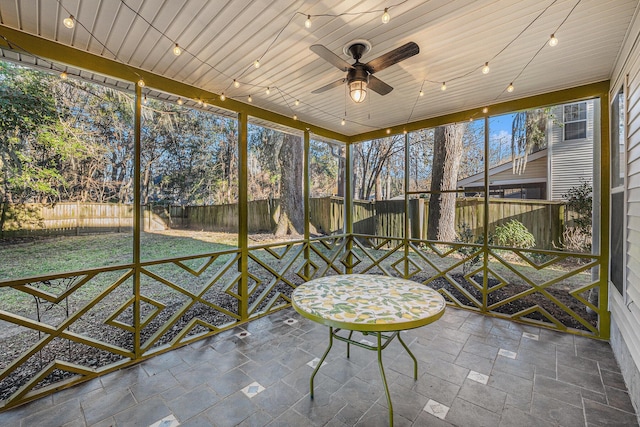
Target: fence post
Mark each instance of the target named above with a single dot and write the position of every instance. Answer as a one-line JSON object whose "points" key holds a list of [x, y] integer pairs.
{"points": [[561, 226], [77, 218]]}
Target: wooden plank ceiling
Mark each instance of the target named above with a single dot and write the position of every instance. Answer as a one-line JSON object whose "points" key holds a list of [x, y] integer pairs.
{"points": [[221, 39]]}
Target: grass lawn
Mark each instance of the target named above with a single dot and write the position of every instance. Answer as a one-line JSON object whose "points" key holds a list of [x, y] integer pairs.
{"points": [[73, 253]]}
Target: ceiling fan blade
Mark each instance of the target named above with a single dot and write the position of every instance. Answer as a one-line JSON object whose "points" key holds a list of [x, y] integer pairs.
{"points": [[329, 86], [378, 86], [330, 57], [393, 57]]}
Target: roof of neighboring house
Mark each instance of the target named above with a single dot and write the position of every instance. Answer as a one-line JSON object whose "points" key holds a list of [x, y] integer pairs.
{"points": [[536, 163]]}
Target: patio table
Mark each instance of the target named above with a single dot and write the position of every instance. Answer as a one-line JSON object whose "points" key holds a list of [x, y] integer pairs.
{"points": [[373, 305]]}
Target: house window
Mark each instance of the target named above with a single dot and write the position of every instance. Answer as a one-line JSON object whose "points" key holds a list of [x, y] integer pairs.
{"points": [[575, 121], [617, 262]]}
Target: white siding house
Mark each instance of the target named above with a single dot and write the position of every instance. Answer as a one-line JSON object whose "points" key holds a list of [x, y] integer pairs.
{"points": [[624, 299], [564, 164], [570, 152]]}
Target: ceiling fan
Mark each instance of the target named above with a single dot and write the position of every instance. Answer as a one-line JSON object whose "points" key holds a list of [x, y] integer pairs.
{"points": [[360, 76]]}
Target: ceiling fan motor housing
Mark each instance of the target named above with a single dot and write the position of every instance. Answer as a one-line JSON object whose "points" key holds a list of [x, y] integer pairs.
{"points": [[357, 74]]}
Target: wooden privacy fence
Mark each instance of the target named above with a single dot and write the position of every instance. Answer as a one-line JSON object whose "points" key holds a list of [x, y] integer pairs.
{"points": [[72, 218], [263, 216], [544, 219]]}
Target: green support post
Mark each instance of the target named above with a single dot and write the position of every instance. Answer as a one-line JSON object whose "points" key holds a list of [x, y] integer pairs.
{"points": [[137, 221], [348, 206], [485, 221], [407, 228], [604, 327], [243, 217], [306, 193]]}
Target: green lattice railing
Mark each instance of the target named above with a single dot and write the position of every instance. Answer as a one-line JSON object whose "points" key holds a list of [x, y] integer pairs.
{"points": [[72, 327]]}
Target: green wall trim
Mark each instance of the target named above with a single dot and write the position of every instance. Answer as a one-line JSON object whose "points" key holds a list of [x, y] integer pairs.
{"points": [[593, 90]]}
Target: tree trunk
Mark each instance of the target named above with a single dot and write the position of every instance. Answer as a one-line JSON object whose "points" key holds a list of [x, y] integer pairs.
{"points": [[291, 158], [378, 188], [342, 169], [447, 152]]}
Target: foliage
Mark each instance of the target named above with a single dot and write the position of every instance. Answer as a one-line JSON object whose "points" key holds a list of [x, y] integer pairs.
{"points": [[575, 240], [514, 234], [69, 140], [33, 143], [465, 235], [580, 203], [325, 162], [379, 168], [528, 135], [580, 200]]}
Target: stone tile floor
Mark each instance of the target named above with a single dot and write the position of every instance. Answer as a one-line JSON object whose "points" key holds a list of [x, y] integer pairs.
{"points": [[473, 371]]}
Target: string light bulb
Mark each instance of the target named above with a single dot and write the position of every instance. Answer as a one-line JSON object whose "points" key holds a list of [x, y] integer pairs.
{"points": [[268, 91], [236, 83], [385, 16], [343, 122], [250, 99], [510, 88], [295, 117], [485, 69], [222, 97], [63, 75], [69, 22], [388, 131], [421, 93], [443, 87], [485, 110], [200, 102], [141, 82], [553, 40], [145, 100], [296, 103], [307, 23], [256, 63], [404, 131], [177, 50], [180, 101]]}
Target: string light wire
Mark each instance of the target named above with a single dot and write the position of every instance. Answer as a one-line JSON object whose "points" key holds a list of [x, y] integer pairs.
{"points": [[470, 72], [539, 50], [308, 16], [98, 40]]}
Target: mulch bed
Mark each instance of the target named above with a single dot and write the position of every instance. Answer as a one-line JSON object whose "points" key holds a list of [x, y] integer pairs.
{"points": [[535, 298]]}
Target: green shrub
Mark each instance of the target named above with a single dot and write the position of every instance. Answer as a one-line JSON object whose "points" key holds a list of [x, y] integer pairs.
{"points": [[580, 205], [465, 235], [514, 234]]}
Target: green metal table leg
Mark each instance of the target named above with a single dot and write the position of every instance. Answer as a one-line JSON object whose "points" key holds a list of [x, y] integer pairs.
{"points": [[315, 371], [384, 379], [349, 343], [415, 361]]}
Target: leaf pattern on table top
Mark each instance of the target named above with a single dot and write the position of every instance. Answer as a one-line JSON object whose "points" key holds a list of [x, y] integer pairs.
{"points": [[367, 299]]}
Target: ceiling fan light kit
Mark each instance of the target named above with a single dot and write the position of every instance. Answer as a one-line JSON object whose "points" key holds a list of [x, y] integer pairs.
{"points": [[358, 79], [358, 90]]}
